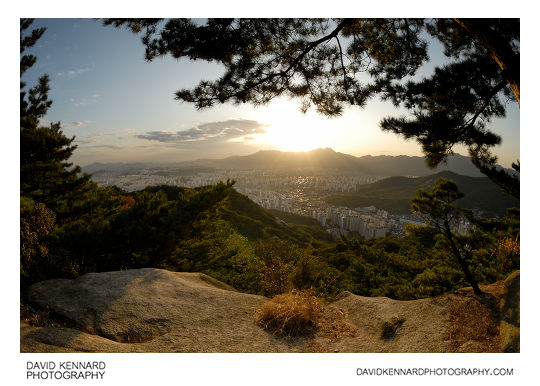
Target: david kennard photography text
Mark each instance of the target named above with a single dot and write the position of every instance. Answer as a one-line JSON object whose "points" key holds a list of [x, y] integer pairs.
{"points": [[65, 370]]}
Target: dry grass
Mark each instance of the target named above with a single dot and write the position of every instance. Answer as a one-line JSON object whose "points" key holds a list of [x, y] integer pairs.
{"points": [[300, 313], [291, 314], [474, 321]]}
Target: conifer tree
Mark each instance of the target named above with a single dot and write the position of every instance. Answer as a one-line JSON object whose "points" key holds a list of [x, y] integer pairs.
{"points": [[46, 175], [437, 203]]}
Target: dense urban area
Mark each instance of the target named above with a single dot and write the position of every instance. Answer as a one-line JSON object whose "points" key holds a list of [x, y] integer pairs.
{"points": [[284, 190]]}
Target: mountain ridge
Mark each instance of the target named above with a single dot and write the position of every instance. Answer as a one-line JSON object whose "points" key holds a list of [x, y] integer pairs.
{"points": [[317, 160], [394, 193]]}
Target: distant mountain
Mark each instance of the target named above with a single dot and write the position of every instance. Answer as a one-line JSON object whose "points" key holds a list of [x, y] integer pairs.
{"points": [[316, 161], [328, 159], [416, 166], [394, 194]]}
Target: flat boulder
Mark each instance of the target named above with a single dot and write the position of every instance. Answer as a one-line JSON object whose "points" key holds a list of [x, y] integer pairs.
{"points": [[149, 310]]}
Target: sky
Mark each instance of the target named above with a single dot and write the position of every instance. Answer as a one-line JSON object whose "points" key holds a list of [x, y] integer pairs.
{"points": [[121, 108]]}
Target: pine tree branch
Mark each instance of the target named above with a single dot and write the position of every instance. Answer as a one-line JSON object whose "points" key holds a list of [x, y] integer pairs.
{"points": [[494, 92], [345, 83], [499, 49], [282, 73]]}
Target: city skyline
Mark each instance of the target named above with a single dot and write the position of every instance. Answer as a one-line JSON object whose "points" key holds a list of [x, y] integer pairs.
{"points": [[122, 109]]}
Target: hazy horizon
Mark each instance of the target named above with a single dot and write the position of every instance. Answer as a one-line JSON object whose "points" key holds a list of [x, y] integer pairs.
{"points": [[257, 151]]}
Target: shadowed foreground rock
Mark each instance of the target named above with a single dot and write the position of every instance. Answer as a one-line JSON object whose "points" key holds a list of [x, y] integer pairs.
{"points": [[154, 310], [148, 310]]}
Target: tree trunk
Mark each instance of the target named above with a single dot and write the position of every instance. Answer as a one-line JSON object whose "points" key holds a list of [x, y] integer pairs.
{"points": [[464, 267], [499, 48]]}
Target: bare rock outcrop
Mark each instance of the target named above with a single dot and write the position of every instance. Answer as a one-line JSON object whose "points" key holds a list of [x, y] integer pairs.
{"points": [[423, 330], [154, 310], [149, 310]]}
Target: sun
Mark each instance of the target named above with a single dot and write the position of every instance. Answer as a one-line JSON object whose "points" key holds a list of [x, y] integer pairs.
{"points": [[290, 130], [298, 138]]}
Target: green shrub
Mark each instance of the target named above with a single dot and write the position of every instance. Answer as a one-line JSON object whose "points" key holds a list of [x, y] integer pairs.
{"points": [[388, 329], [37, 223]]}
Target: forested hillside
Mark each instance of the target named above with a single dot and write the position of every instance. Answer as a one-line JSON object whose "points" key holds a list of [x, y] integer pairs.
{"points": [[393, 194], [217, 231]]}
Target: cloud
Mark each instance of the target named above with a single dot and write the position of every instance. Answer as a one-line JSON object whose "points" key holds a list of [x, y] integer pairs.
{"points": [[64, 125], [115, 147], [77, 124], [84, 101], [72, 73], [89, 138], [211, 131]]}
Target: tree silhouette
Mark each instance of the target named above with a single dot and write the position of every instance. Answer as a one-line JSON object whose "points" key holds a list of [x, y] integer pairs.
{"points": [[437, 203], [335, 63], [46, 175], [51, 189]]}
